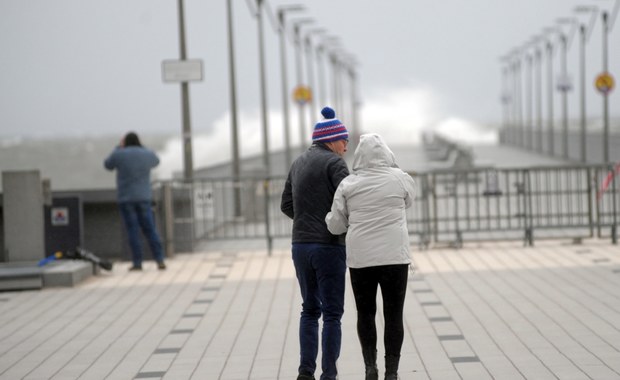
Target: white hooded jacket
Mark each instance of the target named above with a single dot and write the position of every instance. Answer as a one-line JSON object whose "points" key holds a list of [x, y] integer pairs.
{"points": [[370, 206]]}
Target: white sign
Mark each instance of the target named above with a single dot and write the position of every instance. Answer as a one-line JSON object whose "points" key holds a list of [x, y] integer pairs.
{"points": [[60, 216], [203, 203], [564, 83], [182, 71]]}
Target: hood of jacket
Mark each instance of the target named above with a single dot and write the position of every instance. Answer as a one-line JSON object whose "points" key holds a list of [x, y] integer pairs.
{"points": [[373, 152]]}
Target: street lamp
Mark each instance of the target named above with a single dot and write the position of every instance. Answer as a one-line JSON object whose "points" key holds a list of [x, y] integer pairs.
{"points": [[320, 50], [549, 48], [539, 99], [354, 104], [606, 29], [188, 163], [519, 100], [564, 83], [263, 86], [236, 166], [335, 48], [310, 67], [298, 64], [584, 36], [265, 121], [527, 136], [285, 90], [354, 99]]}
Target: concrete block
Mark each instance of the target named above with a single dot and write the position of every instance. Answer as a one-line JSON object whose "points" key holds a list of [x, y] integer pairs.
{"points": [[67, 273]]}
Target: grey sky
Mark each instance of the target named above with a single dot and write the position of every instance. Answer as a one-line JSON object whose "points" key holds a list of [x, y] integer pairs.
{"points": [[70, 67]]}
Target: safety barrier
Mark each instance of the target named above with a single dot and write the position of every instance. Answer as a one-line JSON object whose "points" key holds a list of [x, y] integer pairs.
{"points": [[450, 207]]}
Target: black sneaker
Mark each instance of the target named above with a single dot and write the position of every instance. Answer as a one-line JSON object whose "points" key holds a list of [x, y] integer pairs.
{"points": [[135, 268], [161, 265], [305, 377]]}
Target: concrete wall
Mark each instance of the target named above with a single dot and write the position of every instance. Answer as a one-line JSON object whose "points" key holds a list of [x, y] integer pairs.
{"points": [[24, 238], [103, 232]]}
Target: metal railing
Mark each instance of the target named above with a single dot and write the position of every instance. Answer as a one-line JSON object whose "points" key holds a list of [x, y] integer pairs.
{"points": [[451, 207]]}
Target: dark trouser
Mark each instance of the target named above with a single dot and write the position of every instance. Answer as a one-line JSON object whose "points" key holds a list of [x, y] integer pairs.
{"points": [[138, 215], [393, 282], [320, 270]]}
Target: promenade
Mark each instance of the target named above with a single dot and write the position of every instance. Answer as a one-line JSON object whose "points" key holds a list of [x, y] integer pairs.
{"points": [[486, 311]]}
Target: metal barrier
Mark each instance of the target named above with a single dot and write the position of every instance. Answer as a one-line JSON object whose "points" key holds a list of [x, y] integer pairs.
{"points": [[450, 207]]}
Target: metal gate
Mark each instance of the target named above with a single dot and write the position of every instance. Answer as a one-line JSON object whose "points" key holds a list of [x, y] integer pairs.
{"points": [[450, 207]]}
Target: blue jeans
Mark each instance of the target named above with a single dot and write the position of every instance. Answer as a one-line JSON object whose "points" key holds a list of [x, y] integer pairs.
{"points": [[320, 270], [138, 215]]}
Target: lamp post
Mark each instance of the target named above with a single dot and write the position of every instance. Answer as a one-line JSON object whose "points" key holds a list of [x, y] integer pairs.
{"points": [[288, 157], [320, 50], [527, 137], [188, 163], [354, 100], [310, 68], [604, 19], [517, 103], [582, 91], [549, 49], [505, 99], [354, 104], [566, 83], [564, 87], [539, 99], [299, 71], [335, 69], [584, 36], [606, 30], [265, 121], [236, 167], [263, 86]]}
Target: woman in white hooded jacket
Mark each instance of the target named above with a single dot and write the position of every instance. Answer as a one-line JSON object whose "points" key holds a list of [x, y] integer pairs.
{"points": [[369, 205]]}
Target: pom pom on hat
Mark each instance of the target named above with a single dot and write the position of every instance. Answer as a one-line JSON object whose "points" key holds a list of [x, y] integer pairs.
{"points": [[328, 113], [329, 129]]}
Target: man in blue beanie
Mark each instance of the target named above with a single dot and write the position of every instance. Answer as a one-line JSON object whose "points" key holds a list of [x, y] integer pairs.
{"points": [[133, 164], [319, 257]]}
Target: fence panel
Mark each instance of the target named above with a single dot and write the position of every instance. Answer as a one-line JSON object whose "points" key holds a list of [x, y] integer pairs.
{"points": [[450, 206]]}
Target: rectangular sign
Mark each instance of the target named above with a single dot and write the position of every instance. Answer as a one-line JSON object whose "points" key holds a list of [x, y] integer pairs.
{"points": [[60, 216], [182, 71]]}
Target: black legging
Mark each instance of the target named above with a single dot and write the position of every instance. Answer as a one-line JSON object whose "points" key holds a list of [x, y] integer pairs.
{"points": [[393, 282]]}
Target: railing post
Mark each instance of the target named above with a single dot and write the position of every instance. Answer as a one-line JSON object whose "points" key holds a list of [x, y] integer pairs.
{"points": [[168, 219], [426, 218], [267, 225], [614, 228], [459, 235], [589, 176], [527, 209]]}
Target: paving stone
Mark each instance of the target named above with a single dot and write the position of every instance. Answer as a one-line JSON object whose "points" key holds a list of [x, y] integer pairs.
{"points": [[493, 310]]}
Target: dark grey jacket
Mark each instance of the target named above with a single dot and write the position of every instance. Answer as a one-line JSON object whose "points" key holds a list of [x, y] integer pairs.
{"points": [[309, 192]]}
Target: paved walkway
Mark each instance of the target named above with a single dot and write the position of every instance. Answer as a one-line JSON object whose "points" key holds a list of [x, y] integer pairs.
{"points": [[488, 311]]}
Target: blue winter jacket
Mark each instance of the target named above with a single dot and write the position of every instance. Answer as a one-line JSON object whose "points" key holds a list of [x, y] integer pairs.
{"points": [[133, 166]]}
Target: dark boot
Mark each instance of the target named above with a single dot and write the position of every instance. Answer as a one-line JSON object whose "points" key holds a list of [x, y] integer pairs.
{"points": [[391, 367], [370, 360]]}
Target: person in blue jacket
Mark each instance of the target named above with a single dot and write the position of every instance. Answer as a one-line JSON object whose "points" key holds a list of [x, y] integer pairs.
{"points": [[133, 164]]}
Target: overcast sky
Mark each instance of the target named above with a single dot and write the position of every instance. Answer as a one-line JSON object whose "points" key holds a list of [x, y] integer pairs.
{"points": [[74, 67]]}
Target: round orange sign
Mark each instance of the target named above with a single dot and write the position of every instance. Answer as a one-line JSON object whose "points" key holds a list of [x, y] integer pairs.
{"points": [[604, 83], [302, 94]]}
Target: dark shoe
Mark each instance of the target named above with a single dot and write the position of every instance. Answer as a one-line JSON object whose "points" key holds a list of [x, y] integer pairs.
{"points": [[161, 265], [135, 268], [370, 361], [305, 377], [391, 367], [372, 373]]}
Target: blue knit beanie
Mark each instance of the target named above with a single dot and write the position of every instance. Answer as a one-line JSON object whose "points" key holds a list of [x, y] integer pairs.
{"points": [[329, 129]]}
